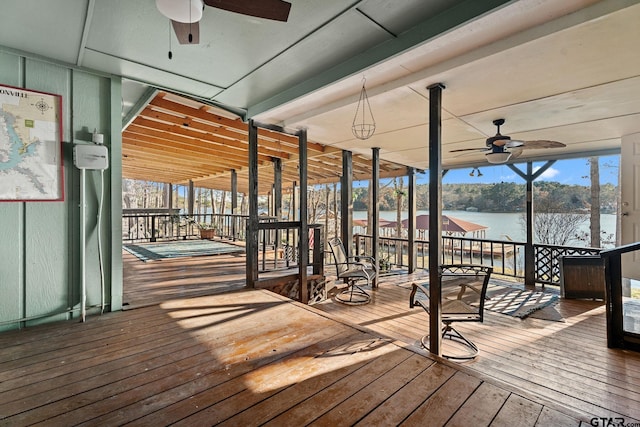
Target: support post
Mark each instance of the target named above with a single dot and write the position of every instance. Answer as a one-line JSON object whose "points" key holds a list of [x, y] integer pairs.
{"points": [[435, 216], [277, 199], [375, 209], [252, 223], [411, 219], [190, 199], [346, 201], [304, 225], [234, 203], [529, 248], [277, 188], [294, 207], [234, 192]]}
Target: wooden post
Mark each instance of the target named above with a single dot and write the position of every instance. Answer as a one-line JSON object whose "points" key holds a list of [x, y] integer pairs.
{"points": [[335, 210], [346, 202], [529, 248], [326, 216], [411, 220], [304, 217], [190, 199], [234, 192], [252, 223], [375, 209], [168, 196], [277, 188], [234, 202], [294, 208], [435, 216], [277, 202]]}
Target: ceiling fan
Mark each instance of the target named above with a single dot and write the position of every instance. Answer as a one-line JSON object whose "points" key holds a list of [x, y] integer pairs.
{"points": [[186, 14], [500, 148]]}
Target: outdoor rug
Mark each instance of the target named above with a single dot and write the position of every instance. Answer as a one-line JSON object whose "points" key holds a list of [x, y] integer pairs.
{"points": [[518, 302], [182, 248]]}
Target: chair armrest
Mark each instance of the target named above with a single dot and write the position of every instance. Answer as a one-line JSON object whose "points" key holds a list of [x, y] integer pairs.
{"points": [[414, 290], [371, 261], [476, 287], [359, 257]]}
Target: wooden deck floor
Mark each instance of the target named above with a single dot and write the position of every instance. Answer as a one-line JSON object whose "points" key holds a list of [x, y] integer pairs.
{"points": [[152, 282], [560, 361], [253, 358], [244, 358]]}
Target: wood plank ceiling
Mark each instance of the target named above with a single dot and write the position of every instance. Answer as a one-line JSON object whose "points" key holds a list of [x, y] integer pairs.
{"points": [[175, 140]]}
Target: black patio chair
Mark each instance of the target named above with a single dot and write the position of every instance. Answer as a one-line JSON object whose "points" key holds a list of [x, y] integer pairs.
{"points": [[463, 293], [352, 270]]}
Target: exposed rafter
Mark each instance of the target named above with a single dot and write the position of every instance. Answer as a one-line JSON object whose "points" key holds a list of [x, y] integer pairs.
{"points": [[179, 140]]}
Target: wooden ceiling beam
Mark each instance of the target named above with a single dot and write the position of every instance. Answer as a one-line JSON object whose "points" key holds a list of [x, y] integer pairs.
{"points": [[189, 123], [195, 149], [204, 113], [161, 157], [172, 132], [138, 172]]}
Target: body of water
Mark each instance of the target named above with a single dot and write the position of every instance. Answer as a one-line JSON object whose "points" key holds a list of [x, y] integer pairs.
{"points": [[503, 226]]}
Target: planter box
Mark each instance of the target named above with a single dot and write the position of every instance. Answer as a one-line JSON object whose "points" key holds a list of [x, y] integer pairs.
{"points": [[207, 234], [582, 277]]}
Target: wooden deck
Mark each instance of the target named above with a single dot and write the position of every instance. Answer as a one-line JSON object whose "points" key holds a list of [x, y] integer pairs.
{"points": [[147, 283], [250, 357], [566, 361]]}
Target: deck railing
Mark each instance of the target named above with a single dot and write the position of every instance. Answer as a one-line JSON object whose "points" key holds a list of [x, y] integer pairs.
{"points": [[506, 257], [277, 241], [280, 243], [144, 226]]}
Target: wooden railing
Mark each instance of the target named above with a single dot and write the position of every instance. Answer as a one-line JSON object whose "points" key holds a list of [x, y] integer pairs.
{"points": [[506, 257], [617, 335], [151, 227], [278, 244]]}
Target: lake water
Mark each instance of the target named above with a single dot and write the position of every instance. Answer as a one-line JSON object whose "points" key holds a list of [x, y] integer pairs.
{"points": [[502, 225]]}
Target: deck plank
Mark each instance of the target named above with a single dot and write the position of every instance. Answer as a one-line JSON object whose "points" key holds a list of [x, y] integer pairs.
{"points": [[481, 407], [401, 404], [551, 417], [329, 398], [438, 408], [351, 410], [518, 412], [530, 354], [194, 353]]}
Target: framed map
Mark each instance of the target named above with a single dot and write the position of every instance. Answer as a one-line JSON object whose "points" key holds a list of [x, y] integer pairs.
{"points": [[31, 161]]}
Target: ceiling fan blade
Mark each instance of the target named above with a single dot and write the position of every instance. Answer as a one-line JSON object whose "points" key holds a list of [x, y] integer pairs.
{"points": [[276, 10], [184, 29], [542, 143], [516, 152], [514, 143], [470, 149]]}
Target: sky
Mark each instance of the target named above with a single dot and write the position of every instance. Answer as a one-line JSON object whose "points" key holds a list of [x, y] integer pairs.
{"points": [[570, 172]]}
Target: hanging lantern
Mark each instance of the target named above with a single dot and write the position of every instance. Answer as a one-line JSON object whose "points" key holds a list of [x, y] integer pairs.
{"points": [[364, 125]]}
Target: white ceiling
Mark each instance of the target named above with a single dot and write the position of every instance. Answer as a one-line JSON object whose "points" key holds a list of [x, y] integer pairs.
{"points": [[563, 70]]}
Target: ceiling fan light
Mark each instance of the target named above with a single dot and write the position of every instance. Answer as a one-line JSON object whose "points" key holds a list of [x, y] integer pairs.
{"points": [[497, 158], [186, 11]]}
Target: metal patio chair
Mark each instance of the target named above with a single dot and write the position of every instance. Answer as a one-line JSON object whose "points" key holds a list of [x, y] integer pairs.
{"points": [[352, 270], [464, 291]]}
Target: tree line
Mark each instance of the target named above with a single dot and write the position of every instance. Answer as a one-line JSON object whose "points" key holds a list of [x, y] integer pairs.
{"points": [[498, 197]]}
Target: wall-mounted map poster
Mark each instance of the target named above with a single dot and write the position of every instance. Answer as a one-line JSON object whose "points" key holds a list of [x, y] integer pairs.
{"points": [[30, 145]]}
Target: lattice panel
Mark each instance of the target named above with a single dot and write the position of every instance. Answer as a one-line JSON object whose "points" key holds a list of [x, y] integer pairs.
{"points": [[547, 261]]}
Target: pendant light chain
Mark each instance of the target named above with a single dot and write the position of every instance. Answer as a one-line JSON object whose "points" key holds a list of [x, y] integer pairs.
{"points": [[170, 53], [364, 125]]}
